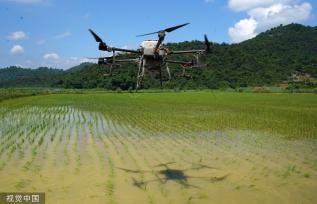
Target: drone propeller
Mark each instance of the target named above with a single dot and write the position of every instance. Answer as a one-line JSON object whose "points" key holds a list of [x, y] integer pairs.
{"points": [[175, 27], [165, 30], [97, 38], [161, 35], [207, 43], [148, 34], [102, 45]]}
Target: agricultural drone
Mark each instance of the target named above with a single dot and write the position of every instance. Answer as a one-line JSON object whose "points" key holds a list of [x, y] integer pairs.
{"points": [[152, 55]]}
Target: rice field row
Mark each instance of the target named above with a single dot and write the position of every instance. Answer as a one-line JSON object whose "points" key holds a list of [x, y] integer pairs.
{"points": [[123, 149]]}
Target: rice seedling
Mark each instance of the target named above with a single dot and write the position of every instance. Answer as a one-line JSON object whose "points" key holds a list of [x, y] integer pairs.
{"points": [[110, 184], [306, 175], [23, 183], [2, 165]]}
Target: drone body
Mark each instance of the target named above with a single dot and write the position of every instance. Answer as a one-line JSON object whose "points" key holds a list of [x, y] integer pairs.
{"points": [[152, 55], [148, 46]]}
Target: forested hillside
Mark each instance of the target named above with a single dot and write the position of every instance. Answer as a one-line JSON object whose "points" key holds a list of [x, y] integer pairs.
{"points": [[20, 77], [281, 55]]}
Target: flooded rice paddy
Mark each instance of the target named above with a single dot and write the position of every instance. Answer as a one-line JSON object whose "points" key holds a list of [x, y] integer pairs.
{"points": [[78, 156]]}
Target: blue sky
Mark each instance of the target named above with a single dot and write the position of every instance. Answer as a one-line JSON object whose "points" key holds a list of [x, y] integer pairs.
{"points": [[55, 32]]}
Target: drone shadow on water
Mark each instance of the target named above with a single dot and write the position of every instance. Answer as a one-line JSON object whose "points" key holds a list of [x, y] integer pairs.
{"points": [[173, 174]]}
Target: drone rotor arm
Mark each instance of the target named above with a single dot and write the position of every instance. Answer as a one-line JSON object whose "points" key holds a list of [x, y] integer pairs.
{"points": [[187, 52], [125, 50], [180, 62], [127, 60]]}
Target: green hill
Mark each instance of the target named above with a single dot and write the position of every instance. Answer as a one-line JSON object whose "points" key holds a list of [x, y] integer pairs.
{"points": [[283, 54], [268, 59], [21, 77]]}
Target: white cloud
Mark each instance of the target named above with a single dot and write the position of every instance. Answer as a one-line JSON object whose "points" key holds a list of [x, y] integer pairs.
{"points": [[63, 35], [17, 49], [243, 30], [54, 60], [263, 18], [69, 62], [280, 14], [26, 64], [23, 1], [18, 35], [19, 65], [242, 5], [51, 56]]}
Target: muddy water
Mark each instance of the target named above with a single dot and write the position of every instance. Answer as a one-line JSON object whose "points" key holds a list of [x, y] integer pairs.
{"points": [[84, 157]]}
